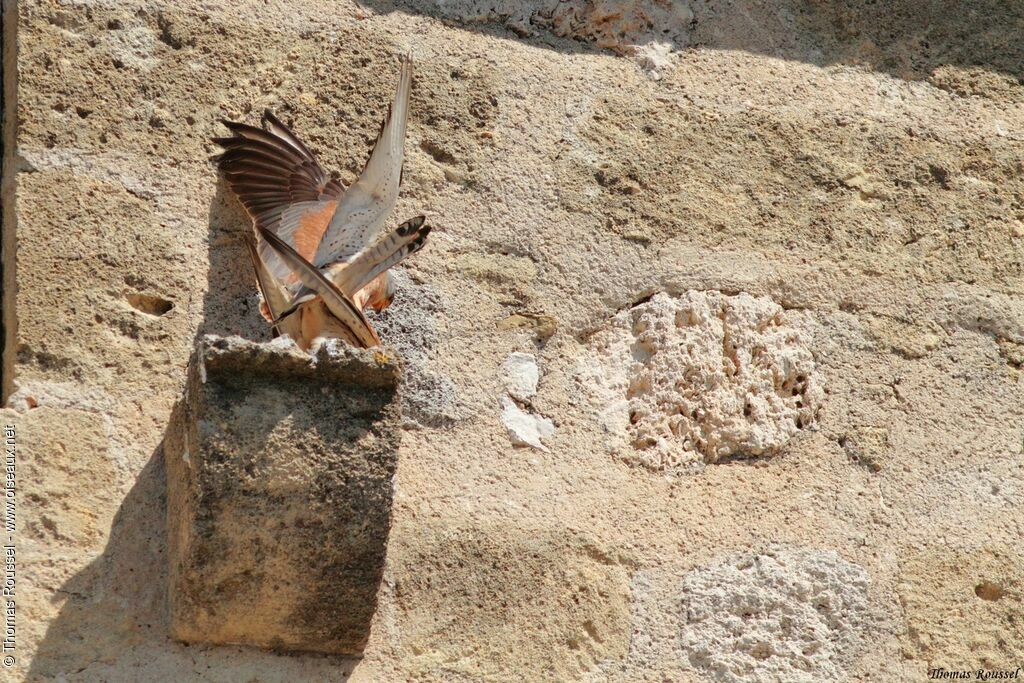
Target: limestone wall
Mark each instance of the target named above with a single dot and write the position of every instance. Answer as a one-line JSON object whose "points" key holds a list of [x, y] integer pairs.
{"points": [[813, 202]]}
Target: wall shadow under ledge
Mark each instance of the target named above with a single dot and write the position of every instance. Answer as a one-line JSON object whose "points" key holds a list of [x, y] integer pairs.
{"points": [[279, 474]]}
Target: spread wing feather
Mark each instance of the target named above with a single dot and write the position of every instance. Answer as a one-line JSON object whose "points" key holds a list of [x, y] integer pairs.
{"points": [[281, 185], [389, 251], [367, 203], [303, 217]]}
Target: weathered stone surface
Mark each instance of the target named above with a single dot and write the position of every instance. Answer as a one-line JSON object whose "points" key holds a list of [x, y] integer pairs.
{"points": [[784, 614], [963, 605], [856, 162], [279, 475], [700, 377], [573, 592], [429, 397]]}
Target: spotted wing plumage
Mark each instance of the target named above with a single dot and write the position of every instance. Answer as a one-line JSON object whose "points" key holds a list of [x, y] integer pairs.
{"points": [[386, 253], [361, 213]]}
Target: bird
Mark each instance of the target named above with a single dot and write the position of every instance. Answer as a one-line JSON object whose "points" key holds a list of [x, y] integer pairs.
{"points": [[316, 247]]}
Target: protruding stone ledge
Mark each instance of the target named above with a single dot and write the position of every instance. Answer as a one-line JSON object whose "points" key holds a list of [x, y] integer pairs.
{"points": [[279, 475]]}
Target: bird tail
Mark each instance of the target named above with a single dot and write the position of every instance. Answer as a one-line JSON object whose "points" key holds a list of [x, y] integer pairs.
{"points": [[385, 253]]}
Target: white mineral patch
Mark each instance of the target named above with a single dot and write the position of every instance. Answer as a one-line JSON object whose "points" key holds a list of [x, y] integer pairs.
{"points": [[521, 375], [525, 429]]}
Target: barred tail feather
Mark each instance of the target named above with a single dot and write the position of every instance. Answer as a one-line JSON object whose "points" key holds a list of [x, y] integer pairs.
{"points": [[406, 239]]}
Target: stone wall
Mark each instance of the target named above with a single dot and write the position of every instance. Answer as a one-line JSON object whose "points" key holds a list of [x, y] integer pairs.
{"points": [[828, 189]]}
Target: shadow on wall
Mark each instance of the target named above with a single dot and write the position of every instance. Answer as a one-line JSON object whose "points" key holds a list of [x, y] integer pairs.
{"points": [[115, 619], [87, 629], [909, 39], [115, 611], [231, 305]]}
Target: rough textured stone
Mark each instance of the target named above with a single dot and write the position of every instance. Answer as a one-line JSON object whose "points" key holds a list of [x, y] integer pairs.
{"points": [[574, 595], [649, 30], [790, 615], [814, 31], [702, 377], [429, 397], [279, 474], [964, 605], [857, 162]]}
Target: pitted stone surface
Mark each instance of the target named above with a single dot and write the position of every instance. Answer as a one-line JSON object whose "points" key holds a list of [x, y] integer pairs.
{"points": [[782, 615], [704, 376], [279, 473]]}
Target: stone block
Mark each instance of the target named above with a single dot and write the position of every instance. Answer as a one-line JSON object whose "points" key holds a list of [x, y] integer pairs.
{"points": [[702, 377], [279, 474], [784, 614]]}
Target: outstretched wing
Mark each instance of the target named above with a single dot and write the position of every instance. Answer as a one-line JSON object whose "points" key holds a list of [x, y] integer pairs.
{"points": [[367, 203], [405, 240], [282, 186]]}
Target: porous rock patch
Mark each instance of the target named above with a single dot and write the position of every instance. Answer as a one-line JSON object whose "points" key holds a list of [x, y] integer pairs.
{"points": [[649, 31], [429, 397], [782, 615], [701, 377]]}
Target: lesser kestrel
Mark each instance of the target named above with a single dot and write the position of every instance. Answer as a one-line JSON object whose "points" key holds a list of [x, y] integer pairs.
{"points": [[317, 253]]}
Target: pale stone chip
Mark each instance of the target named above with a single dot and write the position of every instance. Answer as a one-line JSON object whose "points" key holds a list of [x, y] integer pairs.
{"points": [[525, 429], [521, 375]]}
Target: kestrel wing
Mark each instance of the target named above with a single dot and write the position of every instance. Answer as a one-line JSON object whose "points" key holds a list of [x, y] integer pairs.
{"points": [[274, 296], [337, 303], [367, 203], [405, 240], [281, 185]]}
